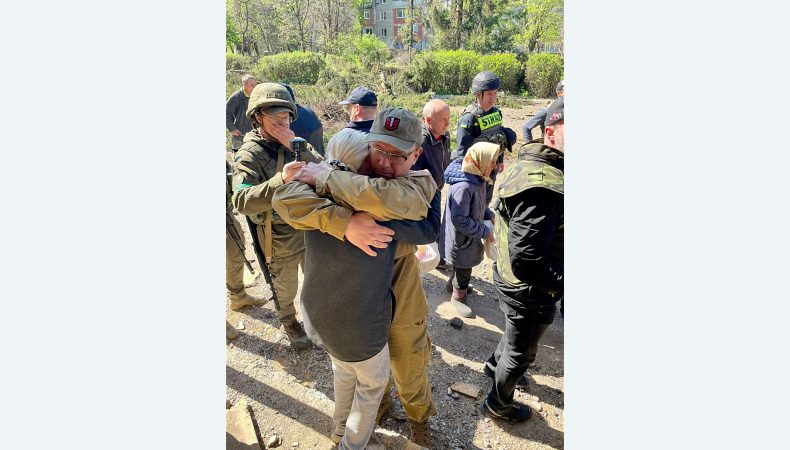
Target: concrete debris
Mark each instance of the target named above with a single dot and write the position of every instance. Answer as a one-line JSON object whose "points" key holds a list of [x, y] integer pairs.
{"points": [[467, 389], [273, 441], [240, 430]]}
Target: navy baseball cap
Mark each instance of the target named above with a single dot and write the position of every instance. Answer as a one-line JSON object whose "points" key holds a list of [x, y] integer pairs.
{"points": [[361, 96]]}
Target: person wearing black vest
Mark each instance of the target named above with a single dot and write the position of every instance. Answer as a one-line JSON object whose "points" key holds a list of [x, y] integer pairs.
{"points": [[482, 122], [529, 267]]}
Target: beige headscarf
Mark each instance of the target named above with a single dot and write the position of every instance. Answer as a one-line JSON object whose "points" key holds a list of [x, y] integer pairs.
{"points": [[480, 160], [348, 147]]}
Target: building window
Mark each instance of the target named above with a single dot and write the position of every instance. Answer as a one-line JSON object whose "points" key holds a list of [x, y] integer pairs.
{"points": [[383, 32], [400, 13], [368, 30], [383, 15], [367, 14], [383, 1], [415, 28]]}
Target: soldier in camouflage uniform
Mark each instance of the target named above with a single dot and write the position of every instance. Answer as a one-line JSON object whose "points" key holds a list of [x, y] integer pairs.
{"points": [[528, 271], [264, 162], [234, 263]]}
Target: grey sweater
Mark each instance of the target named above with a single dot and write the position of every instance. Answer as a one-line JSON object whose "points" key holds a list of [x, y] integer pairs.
{"points": [[346, 296]]}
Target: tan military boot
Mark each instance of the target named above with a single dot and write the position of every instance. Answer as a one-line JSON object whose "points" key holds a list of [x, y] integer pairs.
{"points": [[459, 301], [420, 433], [230, 332], [241, 299], [296, 335]]}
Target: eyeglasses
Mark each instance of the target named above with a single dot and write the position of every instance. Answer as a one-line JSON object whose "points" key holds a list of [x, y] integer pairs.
{"points": [[395, 160]]}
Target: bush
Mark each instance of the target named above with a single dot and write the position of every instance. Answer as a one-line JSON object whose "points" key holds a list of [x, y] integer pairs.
{"points": [[237, 62], [446, 71], [507, 68], [543, 72], [293, 67]]}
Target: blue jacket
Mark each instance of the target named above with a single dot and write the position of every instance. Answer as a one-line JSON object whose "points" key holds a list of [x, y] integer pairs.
{"points": [[538, 119], [308, 127], [462, 231]]}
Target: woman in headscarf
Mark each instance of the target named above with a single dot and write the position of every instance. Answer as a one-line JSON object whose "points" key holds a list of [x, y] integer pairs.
{"points": [[462, 232]]}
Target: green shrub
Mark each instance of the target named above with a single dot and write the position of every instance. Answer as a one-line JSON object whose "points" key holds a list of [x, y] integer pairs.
{"points": [[292, 67], [237, 62], [543, 72], [446, 71], [507, 68], [341, 74]]}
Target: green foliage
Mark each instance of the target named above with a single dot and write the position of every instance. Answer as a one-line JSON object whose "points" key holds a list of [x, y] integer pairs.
{"points": [[231, 35], [364, 62], [445, 71], [292, 67], [543, 72], [451, 71], [506, 66], [369, 51], [238, 62], [538, 21]]}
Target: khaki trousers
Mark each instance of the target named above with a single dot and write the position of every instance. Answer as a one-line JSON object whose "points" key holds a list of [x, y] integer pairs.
{"points": [[409, 344], [234, 261], [285, 277], [358, 389]]}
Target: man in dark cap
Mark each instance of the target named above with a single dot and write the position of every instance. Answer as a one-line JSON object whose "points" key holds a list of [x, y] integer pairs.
{"points": [[361, 107], [393, 148], [528, 272]]}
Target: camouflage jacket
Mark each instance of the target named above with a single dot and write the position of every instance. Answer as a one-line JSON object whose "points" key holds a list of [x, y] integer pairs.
{"points": [[255, 178]]}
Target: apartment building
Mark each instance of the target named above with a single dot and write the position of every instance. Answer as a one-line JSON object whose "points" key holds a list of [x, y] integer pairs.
{"points": [[385, 18]]}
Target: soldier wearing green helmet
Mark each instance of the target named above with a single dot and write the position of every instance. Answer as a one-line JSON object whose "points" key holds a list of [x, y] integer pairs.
{"points": [[264, 162]]}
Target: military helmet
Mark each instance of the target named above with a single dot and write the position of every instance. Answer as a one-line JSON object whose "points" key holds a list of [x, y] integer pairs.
{"points": [[485, 81], [270, 95]]}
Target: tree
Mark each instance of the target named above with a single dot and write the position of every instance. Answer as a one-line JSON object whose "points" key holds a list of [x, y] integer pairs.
{"points": [[231, 36], [540, 21], [494, 25]]}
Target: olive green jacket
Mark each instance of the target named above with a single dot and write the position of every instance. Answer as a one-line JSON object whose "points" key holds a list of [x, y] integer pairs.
{"points": [[255, 177], [338, 194]]}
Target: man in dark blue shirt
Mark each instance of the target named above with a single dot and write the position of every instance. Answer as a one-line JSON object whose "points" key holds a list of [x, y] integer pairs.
{"points": [[307, 126], [540, 117], [435, 155]]}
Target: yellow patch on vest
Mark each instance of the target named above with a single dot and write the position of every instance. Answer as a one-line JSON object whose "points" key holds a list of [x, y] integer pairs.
{"points": [[490, 120]]}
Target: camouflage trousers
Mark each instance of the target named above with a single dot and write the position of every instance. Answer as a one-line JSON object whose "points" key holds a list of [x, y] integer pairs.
{"points": [[234, 261], [410, 346], [285, 274]]}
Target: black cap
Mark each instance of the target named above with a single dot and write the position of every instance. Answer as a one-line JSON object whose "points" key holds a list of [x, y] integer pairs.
{"points": [[556, 112], [361, 96]]}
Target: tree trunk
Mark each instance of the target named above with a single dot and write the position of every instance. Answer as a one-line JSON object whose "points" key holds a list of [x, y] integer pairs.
{"points": [[459, 18]]}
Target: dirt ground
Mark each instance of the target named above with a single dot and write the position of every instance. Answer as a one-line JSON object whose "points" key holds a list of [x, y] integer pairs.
{"points": [[290, 392]]}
